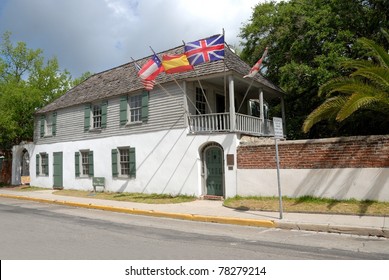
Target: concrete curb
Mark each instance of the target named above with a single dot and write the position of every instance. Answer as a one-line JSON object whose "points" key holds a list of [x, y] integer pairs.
{"points": [[363, 231], [134, 211]]}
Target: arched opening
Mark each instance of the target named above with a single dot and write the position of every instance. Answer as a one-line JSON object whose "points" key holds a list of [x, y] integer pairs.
{"points": [[25, 167], [213, 169]]}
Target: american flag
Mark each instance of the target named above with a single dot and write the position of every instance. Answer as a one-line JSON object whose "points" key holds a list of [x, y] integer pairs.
{"points": [[147, 83], [151, 69], [206, 50]]}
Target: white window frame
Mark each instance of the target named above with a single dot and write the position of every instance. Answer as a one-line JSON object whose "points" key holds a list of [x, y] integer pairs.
{"points": [[201, 101], [49, 125], [96, 116], [84, 163], [43, 158], [135, 109], [124, 161]]}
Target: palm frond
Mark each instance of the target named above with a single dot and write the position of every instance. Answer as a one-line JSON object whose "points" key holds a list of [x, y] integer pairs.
{"points": [[360, 101], [328, 110], [332, 85], [357, 64], [376, 51], [377, 75]]}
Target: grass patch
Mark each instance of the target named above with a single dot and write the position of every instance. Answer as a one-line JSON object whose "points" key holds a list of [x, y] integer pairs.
{"points": [[132, 197], [31, 188], [309, 204]]}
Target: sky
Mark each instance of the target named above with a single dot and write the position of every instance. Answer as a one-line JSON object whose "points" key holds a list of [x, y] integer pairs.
{"points": [[96, 35]]}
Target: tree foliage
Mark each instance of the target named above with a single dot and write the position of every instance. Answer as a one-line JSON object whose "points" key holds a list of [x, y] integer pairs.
{"points": [[367, 88], [309, 40], [27, 83]]}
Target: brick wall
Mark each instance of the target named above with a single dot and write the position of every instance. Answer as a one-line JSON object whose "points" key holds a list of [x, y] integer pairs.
{"points": [[347, 152]]}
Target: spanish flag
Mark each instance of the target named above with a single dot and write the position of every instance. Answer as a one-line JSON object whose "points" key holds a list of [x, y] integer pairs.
{"points": [[176, 63]]}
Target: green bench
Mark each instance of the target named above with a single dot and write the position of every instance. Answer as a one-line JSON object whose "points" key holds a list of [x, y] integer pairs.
{"points": [[98, 182]]}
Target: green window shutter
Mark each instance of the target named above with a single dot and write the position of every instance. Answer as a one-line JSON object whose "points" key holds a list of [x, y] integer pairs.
{"points": [[104, 107], [47, 169], [145, 106], [132, 163], [77, 164], [87, 117], [114, 154], [123, 110], [43, 118], [37, 163], [90, 162], [54, 120]]}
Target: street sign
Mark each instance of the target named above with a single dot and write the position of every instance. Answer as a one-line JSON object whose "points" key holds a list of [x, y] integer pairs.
{"points": [[278, 130], [278, 134]]}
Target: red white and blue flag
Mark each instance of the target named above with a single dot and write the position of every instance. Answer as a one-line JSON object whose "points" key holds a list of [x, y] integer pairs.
{"points": [[149, 82], [151, 69], [206, 50], [255, 69]]}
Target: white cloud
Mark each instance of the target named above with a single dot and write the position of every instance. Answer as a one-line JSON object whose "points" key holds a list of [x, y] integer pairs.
{"points": [[95, 35]]}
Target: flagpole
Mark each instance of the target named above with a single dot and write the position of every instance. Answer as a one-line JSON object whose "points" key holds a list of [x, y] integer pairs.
{"points": [[247, 91], [225, 75], [201, 86]]}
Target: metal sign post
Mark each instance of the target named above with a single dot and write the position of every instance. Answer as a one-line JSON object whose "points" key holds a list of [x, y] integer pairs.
{"points": [[278, 134]]}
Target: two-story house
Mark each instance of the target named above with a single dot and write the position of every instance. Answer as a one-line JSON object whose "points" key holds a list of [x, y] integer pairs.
{"points": [[179, 138]]}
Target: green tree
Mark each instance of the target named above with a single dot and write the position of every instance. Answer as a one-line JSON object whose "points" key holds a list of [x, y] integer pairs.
{"points": [[308, 40], [367, 88], [27, 82]]}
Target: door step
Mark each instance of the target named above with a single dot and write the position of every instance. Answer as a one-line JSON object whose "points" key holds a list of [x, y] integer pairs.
{"points": [[212, 197]]}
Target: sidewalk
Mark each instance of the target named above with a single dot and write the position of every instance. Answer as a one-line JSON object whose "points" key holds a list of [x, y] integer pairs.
{"points": [[214, 211]]}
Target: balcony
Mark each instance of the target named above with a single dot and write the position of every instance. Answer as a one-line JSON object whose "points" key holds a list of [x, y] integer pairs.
{"points": [[221, 122]]}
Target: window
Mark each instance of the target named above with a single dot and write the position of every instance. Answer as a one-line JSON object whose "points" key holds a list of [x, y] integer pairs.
{"points": [[95, 116], [134, 108], [123, 162], [83, 163], [42, 164], [96, 112], [135, 103], [48, 125], [200, 101]]}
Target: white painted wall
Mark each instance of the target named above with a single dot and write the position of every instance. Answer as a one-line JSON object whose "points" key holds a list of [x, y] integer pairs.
{"points": [[338, 183], [166, 162]]}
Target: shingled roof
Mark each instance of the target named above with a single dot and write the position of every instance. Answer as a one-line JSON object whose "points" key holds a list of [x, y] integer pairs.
{"points": [[124, 79]]}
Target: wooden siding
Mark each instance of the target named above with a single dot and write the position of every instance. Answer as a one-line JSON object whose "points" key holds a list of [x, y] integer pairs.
{"points": [[165, 112]]}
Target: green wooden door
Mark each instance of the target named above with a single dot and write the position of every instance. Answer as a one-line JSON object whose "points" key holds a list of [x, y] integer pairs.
{"points": [[57, 170], [214, 168]]}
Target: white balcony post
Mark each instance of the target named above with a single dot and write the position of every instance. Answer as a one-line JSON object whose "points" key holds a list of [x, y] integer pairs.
{"points": [[232, 102], [261, 109]]}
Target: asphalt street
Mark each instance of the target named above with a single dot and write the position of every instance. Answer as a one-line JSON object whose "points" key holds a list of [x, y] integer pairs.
{"points": [[33, 230]]}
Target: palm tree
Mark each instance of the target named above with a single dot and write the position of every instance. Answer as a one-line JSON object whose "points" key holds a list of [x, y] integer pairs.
{"points": [[367, 88]]}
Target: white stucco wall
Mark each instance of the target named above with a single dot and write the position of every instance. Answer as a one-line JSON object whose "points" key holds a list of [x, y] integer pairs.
{"points": [[166, 162], [338, 183]]}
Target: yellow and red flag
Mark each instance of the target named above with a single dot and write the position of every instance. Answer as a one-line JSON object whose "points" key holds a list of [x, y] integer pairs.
{"points": [[176, 63]]}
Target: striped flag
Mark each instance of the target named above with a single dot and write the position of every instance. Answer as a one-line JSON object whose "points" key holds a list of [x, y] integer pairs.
{"points": [[176, 63], [151, 69], [255, 69], [147, 84]]}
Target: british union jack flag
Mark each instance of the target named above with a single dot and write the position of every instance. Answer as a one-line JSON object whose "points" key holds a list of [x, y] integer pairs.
{"points": [[206, 50]]}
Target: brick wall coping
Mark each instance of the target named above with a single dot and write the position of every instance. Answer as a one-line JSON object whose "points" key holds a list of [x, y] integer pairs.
{"points": [[262, 141]]}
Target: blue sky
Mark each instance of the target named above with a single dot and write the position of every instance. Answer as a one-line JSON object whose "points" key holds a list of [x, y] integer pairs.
{"points": [[96, 35]]}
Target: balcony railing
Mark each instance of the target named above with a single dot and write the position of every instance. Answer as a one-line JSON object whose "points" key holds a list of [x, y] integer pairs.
{"points": [[210, 123]]}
